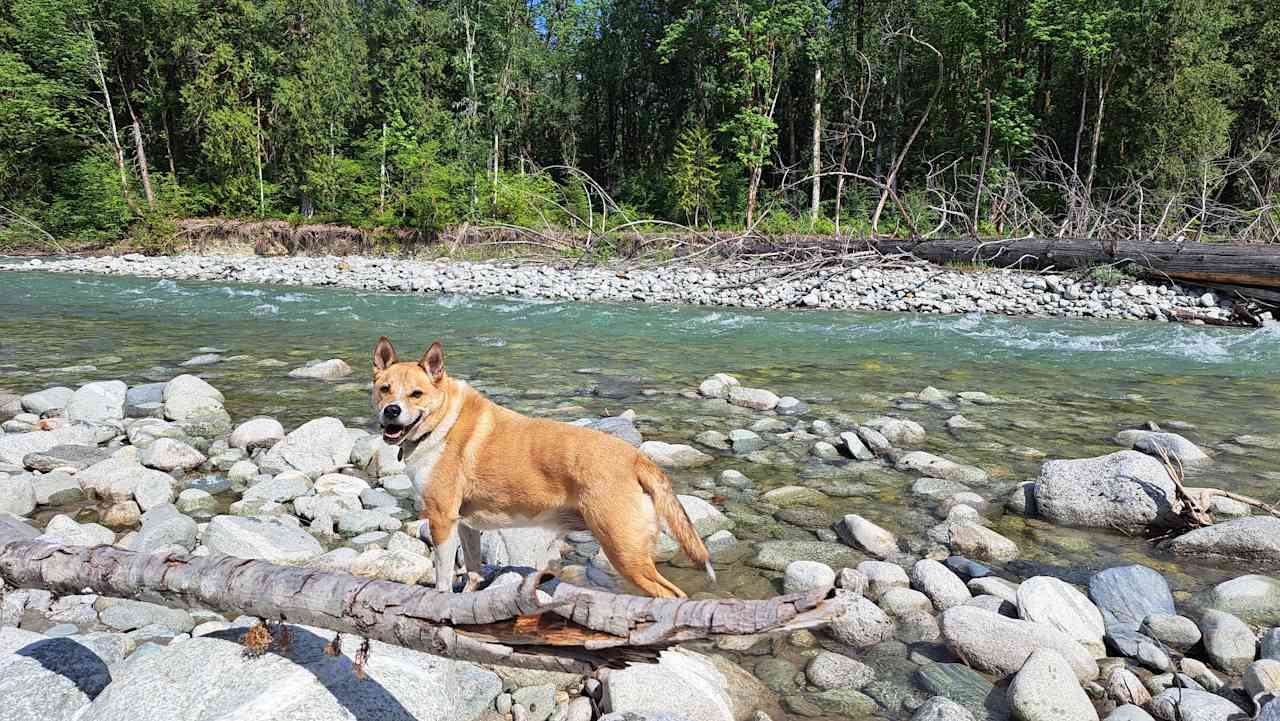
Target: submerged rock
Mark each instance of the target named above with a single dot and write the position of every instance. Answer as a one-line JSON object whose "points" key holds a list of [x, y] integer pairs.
{"points": [[327, 370], [674, 455], [1255, 539]]}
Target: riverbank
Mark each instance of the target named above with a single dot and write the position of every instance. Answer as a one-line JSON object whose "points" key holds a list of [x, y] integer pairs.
{"points": [[916, 289], [951, 608]]}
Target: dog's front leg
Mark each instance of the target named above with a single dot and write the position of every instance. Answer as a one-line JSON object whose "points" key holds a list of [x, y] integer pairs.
{"points": [[445, 556]]}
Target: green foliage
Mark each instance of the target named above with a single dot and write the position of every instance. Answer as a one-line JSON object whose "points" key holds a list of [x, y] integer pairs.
{"points": [[695, 174], [436, 113]]}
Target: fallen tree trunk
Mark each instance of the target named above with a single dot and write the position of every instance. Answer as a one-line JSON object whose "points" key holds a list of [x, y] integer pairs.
{"points": [[1240, 265], [535, 624]]}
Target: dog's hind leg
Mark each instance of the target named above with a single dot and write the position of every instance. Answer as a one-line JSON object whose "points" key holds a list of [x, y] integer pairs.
{"points": [[471, 554]]}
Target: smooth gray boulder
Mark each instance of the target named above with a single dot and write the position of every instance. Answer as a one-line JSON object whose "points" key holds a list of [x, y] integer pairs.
{"points": [[49, 679], [682, 682], [97, 402], [1128, 490], [1046, 689], [998, 645], [49, 399], [210, 677], [1254, 539], [316, 447], [1128, 594], [262, 538], [1229, 642], [14, 447], [1055, 603], [1184, 704]]}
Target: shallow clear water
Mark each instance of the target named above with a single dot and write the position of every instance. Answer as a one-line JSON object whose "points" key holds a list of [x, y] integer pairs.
{"points": [[1071, 384]]}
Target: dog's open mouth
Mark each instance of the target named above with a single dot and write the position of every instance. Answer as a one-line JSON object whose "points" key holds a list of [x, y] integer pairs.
{"points": [[394, 434]]}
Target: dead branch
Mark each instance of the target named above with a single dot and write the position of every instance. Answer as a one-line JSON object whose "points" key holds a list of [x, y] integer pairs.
{"points": [[539, 623]]}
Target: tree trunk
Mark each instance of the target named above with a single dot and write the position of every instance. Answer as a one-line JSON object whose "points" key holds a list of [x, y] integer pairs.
{"points": [[141, 152], [817, 145], [111, 116], [902, 155], [1103, 86], [982, 168], [535, 624]]}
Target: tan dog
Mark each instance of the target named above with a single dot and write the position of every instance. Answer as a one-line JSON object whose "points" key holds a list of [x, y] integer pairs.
{"points": [[489, 467]]}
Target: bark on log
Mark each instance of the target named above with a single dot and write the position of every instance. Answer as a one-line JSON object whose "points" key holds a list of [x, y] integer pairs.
{"points": [[536, 624], [1245, 265]]}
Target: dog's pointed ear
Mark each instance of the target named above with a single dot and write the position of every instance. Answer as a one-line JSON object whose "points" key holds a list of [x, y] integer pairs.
{"points": [[433, 361], [384, 356]]}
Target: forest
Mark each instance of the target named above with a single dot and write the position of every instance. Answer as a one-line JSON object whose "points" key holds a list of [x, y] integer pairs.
{"points": [[1134, 119]]}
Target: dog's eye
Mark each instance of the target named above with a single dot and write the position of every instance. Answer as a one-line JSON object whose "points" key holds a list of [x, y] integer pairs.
{"points": [[384, 389], [416, 394]]}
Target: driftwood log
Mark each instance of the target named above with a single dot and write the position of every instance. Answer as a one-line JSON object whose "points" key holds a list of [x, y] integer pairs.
{"points": [[539, 623], [1240, 266]]}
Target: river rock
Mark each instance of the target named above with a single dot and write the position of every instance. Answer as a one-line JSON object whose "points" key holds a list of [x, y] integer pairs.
{"points": [[316, 447], [281, 489], [1177, 632], [1269, 647], [326, 370], [618, 427], [168, 454], [944, 588], [1255, 539], [339, 484], [1125, 687], [882, 576], [355, 523], [530, 547], [940, 708], [304, 683], [97, 402], [933, 466], [829, 670], [64, 530], [674, 455], [1127, 490], [261, 432], [64, 456], [14, 447], [1184, 704], [807, 575], [1152, 443], [1128, 594], [1262, 680], [861, 533], [124, 614], [681, 682], [261, 538], [1254, 598], [1229, 642], [144, 401], [17, 495], [187, 397], [966, 687], [1129, 712], [196, 501], [896, 431], [777, 555], [706, 518], [163, 526], [56, 489], [311, 507], [120, 479], [399, 566], [717, 386], [50, 679], [860, 623], [753, 398], [1046, 689], [1055, 603], [49, 399], [976, 541], [999, 645]]}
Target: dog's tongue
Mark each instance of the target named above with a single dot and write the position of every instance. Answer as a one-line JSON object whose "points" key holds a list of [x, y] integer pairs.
{"points": [[392, 434]]}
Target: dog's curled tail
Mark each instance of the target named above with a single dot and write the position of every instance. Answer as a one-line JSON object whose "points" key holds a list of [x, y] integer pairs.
{"points": [[658, 486]]}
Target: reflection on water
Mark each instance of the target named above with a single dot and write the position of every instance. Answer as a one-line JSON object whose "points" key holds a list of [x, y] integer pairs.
{"points": [[1070, 384]]}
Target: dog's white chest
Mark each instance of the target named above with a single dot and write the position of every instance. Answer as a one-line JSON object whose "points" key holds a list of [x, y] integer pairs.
{"points": [[421, 465]]}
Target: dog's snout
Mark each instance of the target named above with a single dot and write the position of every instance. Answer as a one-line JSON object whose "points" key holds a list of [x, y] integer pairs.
{"points": [[391, 411]]}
